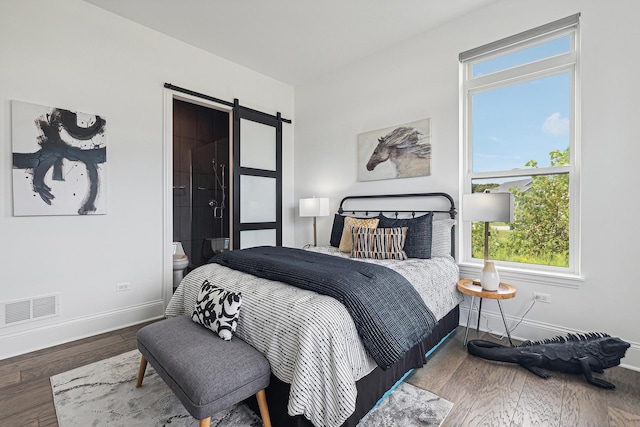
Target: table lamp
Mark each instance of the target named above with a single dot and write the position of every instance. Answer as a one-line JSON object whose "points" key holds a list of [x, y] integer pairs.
{"points": [[314, 207], [488, 207]]}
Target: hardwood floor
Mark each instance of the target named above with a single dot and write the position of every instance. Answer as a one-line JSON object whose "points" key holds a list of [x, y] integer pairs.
{"points": [[484, 393], [487, 393], [25, 390]]}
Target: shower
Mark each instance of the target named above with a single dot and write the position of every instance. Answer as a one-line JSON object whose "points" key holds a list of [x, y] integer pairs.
{"points": [[218, 209], [201, 198], [219, 244], [211, 221]]}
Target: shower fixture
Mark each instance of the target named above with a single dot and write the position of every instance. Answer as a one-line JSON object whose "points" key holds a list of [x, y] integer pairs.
{"points": [[218, 210]]}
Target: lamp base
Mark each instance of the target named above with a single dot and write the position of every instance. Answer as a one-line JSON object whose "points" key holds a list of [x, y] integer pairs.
{"points": [[489, 278], [478, 282]]}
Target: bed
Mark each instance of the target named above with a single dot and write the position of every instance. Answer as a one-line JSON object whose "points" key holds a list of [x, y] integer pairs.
{"points": [[322, 374]]}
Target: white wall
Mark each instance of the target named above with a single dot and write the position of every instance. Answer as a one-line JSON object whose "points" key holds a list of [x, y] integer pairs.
{"points": [[73, 55], [419, 78]]}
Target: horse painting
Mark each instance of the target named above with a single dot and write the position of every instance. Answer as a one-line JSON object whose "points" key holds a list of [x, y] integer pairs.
{"points": [[406, 148]]}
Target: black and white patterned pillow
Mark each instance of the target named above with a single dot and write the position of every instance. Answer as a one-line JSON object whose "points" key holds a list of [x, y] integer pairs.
{"points": [[381, 243], [217, 309]]}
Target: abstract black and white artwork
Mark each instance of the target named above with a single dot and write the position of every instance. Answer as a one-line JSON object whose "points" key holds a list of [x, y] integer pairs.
{"points": [[402, 151], [59, 161]]}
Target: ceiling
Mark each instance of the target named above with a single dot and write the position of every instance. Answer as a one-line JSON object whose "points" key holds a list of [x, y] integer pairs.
{"points": [[292, 41]]}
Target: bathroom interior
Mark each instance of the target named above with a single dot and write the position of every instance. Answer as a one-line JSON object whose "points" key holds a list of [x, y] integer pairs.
{"points": [[201, 177]]}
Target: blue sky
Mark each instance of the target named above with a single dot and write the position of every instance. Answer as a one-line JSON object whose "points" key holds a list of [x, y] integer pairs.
{"points": [[522, 122]]}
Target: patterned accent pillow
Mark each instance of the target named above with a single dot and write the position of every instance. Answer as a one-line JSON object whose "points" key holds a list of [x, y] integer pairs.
{"points": [[379, 243], [349, 222], [217, 309], [418, 243]]}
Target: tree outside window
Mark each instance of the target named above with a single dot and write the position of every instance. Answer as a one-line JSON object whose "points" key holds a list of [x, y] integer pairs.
{"points": [[540, 231]]}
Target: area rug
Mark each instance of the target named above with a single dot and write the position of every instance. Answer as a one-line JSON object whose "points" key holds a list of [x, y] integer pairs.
{"points": [[104, 394], [408, 406]]}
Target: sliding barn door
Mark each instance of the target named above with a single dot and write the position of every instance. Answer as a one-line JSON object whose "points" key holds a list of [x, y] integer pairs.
{"points": [[257, 178]]}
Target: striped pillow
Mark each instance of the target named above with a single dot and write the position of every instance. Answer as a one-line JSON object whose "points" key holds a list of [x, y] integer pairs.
{"points": [[379, 243]]}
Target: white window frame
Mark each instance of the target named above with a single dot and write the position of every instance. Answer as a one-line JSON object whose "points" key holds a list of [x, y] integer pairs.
{"points": [[469, 85]]}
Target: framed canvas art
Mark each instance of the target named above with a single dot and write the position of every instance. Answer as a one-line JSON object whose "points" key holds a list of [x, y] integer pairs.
{"points": [[59, 161], [402, 151]]}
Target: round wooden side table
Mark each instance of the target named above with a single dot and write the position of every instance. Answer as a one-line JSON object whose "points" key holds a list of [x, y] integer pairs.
{"points": [[505, 291]]}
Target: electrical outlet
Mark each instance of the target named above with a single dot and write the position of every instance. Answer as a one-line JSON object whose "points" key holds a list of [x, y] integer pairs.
{"points": [[540, 297], [126, 286]]}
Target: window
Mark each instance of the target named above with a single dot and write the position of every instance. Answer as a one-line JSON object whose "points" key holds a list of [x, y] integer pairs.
{"points": [[520, 135]]}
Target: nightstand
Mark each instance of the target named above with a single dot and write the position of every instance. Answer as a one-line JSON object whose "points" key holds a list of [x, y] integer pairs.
{"points": [[505, 291]]}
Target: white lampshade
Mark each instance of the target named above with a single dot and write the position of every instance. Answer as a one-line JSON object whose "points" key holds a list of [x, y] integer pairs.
{"points": [[487, 207], [316, 206]]}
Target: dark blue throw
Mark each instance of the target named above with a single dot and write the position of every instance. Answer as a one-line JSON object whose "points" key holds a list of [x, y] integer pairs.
{"points": [[388, 312]]}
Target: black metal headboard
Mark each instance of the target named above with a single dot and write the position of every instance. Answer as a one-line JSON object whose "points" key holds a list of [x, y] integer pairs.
{"points": [[451, 211]]}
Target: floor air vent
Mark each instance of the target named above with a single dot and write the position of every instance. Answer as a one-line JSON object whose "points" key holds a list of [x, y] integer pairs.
{"points": [[15, 312]]}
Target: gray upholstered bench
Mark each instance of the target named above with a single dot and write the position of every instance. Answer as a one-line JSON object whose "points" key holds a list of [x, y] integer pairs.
{"points": [[205, 372]]}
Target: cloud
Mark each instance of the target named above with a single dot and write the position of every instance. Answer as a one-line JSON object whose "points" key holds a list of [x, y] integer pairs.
{"points": [[556, 125]]}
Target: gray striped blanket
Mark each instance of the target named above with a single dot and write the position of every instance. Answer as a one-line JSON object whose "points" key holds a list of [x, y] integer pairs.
{"points": [[388, 312]]}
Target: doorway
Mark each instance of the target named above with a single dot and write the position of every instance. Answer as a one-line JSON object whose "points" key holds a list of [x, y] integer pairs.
{"points": [[250, 217], [201, 180]]}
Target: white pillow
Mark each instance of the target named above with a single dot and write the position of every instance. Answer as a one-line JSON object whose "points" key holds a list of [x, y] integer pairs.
{"points": [[441, 237]]}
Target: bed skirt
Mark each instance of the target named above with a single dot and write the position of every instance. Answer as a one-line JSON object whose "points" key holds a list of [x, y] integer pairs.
{"points": [[370, 388]]}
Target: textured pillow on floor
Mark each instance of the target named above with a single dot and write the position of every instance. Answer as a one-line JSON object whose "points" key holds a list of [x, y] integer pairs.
{"points": [[217, 309], [379, 243], [349, 222]]}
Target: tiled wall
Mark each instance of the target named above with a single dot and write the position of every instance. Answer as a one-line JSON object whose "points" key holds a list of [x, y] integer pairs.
{"points": [[200, 135]]}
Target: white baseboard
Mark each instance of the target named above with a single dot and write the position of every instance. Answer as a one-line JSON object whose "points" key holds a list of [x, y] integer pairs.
{"points": [[532, 330], [25, 341]]}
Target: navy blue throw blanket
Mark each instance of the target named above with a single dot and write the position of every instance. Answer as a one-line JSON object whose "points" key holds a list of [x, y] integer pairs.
{"points": [[388, 312]]}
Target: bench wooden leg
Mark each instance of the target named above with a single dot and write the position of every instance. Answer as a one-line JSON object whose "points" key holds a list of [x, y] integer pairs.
{"points": [[261, 396], [141, 370], [206, 422]]}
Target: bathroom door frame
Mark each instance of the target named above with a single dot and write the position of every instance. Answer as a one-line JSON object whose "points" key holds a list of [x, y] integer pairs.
{"points": [[167, 185]]}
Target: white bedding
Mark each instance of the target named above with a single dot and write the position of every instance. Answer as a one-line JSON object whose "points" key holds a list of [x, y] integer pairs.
{"points": [[310, 339]]}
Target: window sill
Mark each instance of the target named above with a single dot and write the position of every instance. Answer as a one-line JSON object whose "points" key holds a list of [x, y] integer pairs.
{"points": [[510, 274]]}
